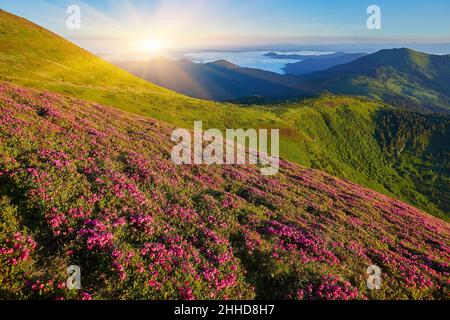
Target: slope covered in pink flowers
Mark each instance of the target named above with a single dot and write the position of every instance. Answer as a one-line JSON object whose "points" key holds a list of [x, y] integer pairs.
{"points": [[88, 185]]}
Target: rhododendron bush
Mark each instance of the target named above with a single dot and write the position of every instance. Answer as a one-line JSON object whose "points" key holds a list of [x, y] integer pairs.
{"points": [[84, 184]]}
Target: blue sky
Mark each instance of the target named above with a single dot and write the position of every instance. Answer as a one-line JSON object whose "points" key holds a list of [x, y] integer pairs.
{"points": [[110, 24]]}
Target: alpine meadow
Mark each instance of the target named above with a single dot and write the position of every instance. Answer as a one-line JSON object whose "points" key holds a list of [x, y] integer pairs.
{"points": [[87, 178]]}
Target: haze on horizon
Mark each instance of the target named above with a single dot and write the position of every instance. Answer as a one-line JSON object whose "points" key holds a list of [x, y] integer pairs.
{"points": [[115, 26]]}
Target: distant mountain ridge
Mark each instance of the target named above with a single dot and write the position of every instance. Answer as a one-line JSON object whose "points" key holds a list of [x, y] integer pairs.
{"points": [[311, 65], [401, 77], [219, 80], [290, 56]]}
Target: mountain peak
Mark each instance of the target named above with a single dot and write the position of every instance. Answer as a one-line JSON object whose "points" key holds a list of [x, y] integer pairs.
{"points": [[402, 52], [223, 64]]}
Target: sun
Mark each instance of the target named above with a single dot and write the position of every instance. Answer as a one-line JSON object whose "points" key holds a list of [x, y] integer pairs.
{"points": [[151, 44]]}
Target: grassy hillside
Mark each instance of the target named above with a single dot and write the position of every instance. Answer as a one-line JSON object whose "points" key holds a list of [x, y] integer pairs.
{"points": [[341, 136], [334, 134], [86, 184], [402, 77], [418, 143], [33, 56]]}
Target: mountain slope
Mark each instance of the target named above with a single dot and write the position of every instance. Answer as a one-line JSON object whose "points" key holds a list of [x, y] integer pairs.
{"points": [[403, 77], [38, 58], [220, 80], [89, 185], [404, 154], [311, 65]]}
